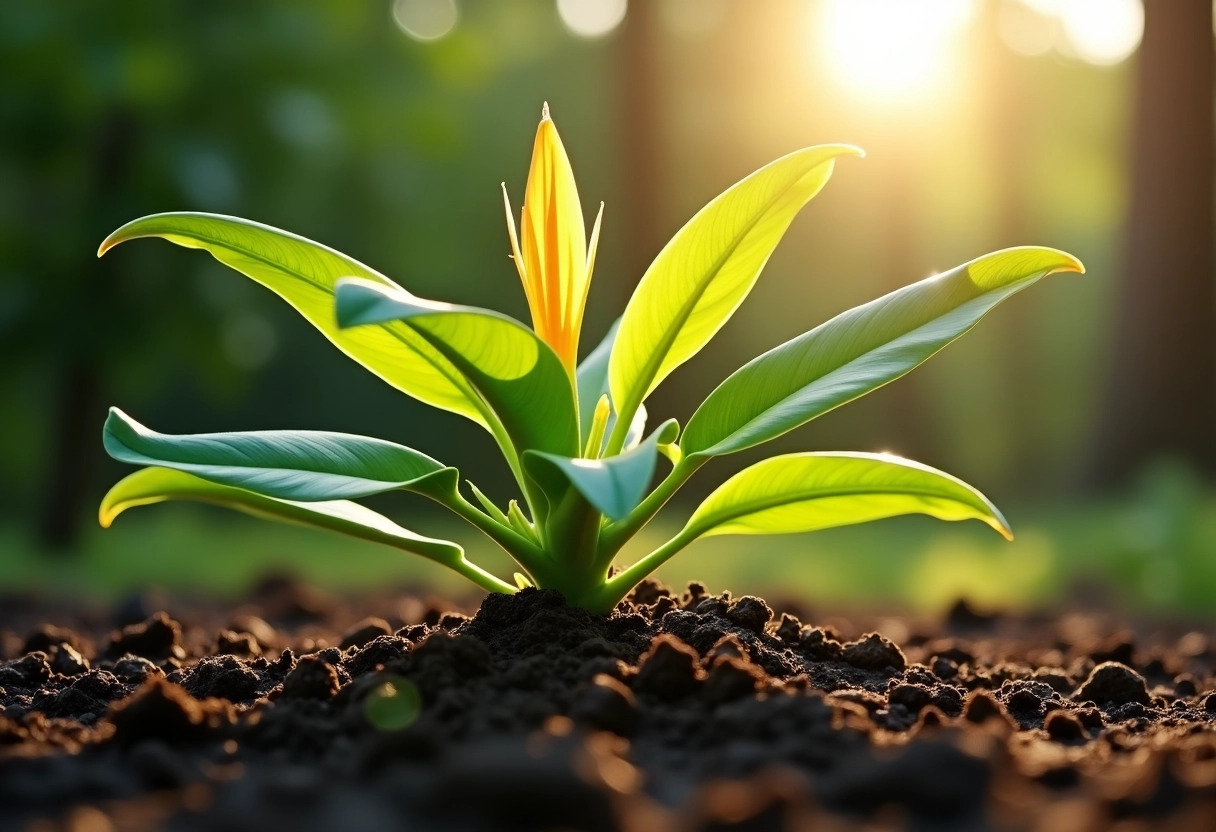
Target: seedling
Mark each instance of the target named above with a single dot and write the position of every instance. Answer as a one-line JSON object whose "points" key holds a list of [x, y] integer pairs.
{"points": [[573, 433]]}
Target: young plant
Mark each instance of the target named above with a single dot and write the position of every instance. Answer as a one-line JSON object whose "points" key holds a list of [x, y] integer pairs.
{"points": [[573, 433]]}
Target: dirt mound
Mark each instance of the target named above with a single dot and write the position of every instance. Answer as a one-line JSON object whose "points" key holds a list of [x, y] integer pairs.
{"points": [[686, 711]]}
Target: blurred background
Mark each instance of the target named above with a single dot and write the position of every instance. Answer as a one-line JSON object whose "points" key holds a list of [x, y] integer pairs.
{"points": [[1084, 407]]}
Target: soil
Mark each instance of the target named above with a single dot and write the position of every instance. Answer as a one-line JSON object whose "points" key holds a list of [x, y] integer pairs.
{"points": [[681, 711]]}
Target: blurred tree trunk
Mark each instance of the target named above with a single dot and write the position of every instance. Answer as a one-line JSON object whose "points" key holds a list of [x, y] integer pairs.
{"points": [[639, 126], [76, 439], [78, 387], [1008, 118], [1161, 397], [906, 426]]}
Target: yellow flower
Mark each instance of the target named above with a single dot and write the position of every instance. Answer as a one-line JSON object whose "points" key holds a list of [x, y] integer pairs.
{"points": [[551, 250]]}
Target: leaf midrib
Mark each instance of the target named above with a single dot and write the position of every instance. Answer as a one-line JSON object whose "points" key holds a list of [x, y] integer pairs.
{"points": [[167, 461], [709, 451]]}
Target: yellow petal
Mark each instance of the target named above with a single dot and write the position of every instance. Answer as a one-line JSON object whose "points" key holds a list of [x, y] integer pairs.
{"points": [[580, 302], [516, 257], [553, 244]]}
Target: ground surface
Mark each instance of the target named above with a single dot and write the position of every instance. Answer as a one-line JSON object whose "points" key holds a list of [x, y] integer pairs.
{"points": [[682, 711]]}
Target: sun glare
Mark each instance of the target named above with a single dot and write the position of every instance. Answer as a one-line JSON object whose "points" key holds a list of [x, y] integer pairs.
{"points": [[1099, 32], [1102, 32], [890, 49]]}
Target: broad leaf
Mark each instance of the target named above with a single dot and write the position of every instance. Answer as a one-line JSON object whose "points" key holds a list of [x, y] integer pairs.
{"points": [[860, 350], [303, 273], [592, 380], [706, 270], [154, 485], [291, 465], [810, 491], [518, 377], [615, 485]]}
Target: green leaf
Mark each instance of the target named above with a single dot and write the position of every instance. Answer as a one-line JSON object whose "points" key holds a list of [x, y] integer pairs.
{"points": [[291, 465], [810, 491], [614, 485], [860, 350], [303, 273], [518, 377], [706, 270], [154, 485], [592, 382]]}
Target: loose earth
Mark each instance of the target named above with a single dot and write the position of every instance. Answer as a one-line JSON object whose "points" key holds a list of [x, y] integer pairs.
{"points": [[681, 711]]}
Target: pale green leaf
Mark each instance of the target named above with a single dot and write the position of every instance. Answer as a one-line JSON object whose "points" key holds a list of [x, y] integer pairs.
{"points": [[860, 350], [706, 270], [303, 273], [291, 465], [154, 485], [810, 491], [518, 377], [614, 485]]}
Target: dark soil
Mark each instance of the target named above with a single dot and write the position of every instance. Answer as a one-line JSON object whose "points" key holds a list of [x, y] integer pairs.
{"points": [[679, 712]]}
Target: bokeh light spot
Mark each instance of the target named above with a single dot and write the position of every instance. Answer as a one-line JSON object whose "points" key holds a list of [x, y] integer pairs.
{"points": [[1026, 30], [890, 49], [426, 19], [591, 18], [392, 705], [1102, 32]]}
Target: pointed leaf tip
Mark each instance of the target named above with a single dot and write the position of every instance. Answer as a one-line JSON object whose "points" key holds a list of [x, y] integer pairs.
{"points": [[109, 243], [811, 491], [705, 271], [1073, 264]]}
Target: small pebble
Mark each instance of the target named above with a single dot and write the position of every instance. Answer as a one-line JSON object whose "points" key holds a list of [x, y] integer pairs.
{"points": [[365, 632], [750, 613], [873, 652], [1063, 727], [66, 661], [607, 704], [156, 638], [311, 678], [1113, 683], [668, 669]]}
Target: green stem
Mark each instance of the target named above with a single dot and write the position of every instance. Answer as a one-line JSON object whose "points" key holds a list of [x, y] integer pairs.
{"points": [[480, 576], [620, 430], [616, 535], [526, 553], [618, 586]]}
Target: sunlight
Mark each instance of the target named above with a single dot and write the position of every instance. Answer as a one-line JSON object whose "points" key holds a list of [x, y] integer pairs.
{"points": [[890, 49]]}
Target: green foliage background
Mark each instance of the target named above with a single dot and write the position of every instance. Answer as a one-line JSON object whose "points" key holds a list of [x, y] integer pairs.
{"points": [[321, 117]]}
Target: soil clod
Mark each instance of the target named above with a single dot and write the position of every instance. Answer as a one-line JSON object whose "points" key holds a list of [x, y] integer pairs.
{"points": [[680, 712], [1113, 683]]}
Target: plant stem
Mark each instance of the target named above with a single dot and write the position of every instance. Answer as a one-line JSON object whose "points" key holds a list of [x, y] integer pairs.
{"points": [[616, 535], [618, 586], [481, 577], [526, 553], [620, 431]]}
